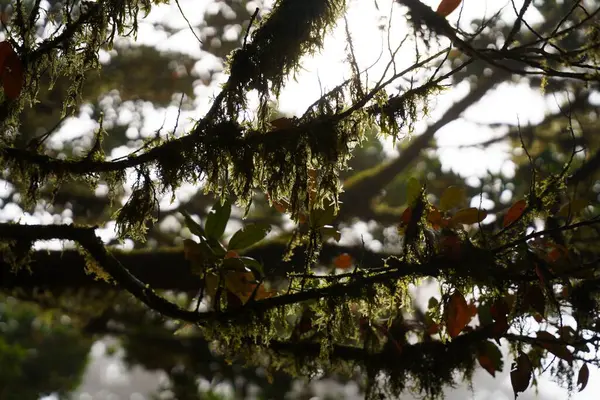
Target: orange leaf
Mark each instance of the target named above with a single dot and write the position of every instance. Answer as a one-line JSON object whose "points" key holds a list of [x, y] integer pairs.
{"points": [[447, 6], [458, 314], [343, 261], [231, 254], [435, 218], [514, 212], [406, 215]]}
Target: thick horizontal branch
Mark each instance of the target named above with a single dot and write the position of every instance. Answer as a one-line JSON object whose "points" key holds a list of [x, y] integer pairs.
{"points": [[161, 268]]}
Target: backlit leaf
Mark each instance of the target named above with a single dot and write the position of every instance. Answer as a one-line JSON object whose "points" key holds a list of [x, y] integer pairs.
{"points": [[241, 281], [447, 6], [458, 314], [320, 217], [406, 216], [217, 219], [573, 208], [193, 226], [248, 235], [199, 255], [514, 212], [468, 216], [434, 218], [490, 357], [452, 197], [550, 343]]}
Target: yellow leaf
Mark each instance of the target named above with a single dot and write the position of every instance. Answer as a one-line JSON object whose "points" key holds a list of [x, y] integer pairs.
{"points": [[199, 255], [452, 197], [469, 216], [211, 284], [243, 283], [240, 283], [573, 208]]}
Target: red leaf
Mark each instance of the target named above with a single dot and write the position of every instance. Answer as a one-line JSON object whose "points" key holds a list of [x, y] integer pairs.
{"points": [[451, 246], [514, 212], [490, 357], [447, 6], [5, 49], [583, 376], [11, 71], [534, 299], [550, 343], [499, 311], [458, 314]]}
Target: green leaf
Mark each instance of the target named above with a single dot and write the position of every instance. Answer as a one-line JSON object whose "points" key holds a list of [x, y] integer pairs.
{"points": [[234, 264], [253, 264], [185, 329], [320, 217], [329, 231], [485, 314], [217, 219], [193, 226], [248, 235], [216, 247], [433, 303]]}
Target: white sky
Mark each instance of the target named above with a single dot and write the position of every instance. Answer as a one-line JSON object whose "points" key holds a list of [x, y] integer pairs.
{"points": [[506, 104]]}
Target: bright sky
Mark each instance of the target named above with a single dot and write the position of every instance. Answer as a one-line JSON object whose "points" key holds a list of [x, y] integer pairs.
{"points": [[506, 104]]}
